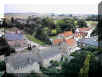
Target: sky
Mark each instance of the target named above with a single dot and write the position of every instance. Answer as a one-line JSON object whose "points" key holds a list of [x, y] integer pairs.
{"points": [[49, 6], [52, 8]]}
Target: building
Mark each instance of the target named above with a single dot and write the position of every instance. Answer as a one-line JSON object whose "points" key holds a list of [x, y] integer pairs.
{"points": [[21, 21], [88, 42], [15, 38], [82, 33], [50, 53], [66, 42], [30, 61], [66, 34], [67, 45], [22, 63]]}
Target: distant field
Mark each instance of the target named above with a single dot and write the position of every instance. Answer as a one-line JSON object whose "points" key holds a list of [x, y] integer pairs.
{"points": [[91, 23]]}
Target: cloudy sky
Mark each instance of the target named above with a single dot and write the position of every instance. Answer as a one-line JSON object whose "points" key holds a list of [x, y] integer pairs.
{"points": [[49, 6], [52, 8]]}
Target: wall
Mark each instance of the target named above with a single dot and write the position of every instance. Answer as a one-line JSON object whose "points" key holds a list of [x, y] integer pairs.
{"points": [[34, 67]]}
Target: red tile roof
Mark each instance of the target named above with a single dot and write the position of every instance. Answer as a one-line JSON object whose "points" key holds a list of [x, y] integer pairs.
{"points": [[67, 33], [84, 29], [71, 42], [57, 41]]}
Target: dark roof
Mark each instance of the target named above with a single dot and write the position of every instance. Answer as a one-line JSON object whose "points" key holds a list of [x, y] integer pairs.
{"points": [[12, 36], [22, 60], [89, 41], [49, 52]]}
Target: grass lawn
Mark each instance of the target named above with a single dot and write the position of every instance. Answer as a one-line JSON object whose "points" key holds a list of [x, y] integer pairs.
{"points": [[53, 37], [91, 23], [31, 38]]}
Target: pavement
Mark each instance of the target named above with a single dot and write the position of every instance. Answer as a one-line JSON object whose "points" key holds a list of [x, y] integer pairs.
{"points": [[32, 44]]}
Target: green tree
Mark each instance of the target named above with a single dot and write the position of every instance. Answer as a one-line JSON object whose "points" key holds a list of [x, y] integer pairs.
{"points": [[2, 66], [12, 20], [48, 22], [85, 69], [81, 23], [42, 35], [65, 24]]}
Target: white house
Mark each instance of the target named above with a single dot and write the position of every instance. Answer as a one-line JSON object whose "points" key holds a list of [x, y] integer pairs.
{"points": [[22, 63], [82, 33], [30, 61], [67, 45], [66, 42]]}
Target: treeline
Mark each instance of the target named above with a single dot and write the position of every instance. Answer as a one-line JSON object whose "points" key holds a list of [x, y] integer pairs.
{"points": [[92, 18], [43, 28]]}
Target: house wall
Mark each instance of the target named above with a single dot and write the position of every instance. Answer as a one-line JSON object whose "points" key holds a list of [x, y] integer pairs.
{"points": [[69, 37], [18, 43], [34, 67], [79, 35], [11, 43], [9, 68], [81, 45], [61, 37]]}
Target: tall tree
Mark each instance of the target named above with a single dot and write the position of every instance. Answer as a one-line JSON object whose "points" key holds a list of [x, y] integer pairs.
{"points": [[12, 20], [81, 23], [85, 69]]}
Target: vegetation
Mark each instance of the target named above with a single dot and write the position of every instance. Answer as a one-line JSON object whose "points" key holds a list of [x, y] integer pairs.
{"points": [[84, 64], [34, 39], [86, 61], [6, 49], [85, 69], [82, 23], [65, 25], [44, 28], [2, 66]]}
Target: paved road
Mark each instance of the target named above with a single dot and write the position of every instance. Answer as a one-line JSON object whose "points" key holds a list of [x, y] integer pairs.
{"points": [[32, 44]]}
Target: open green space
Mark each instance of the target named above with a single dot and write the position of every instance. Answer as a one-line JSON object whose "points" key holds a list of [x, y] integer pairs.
{"points": [[31, 38]]}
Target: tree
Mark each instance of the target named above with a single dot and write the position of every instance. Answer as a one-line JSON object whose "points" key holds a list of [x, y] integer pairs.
{"points": [[95, 31], [4, 24], [42, 35], [12, 20], [65, 24], [72, 68], [2, 66], [85, 69], [48, 22], [81, 23]]}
